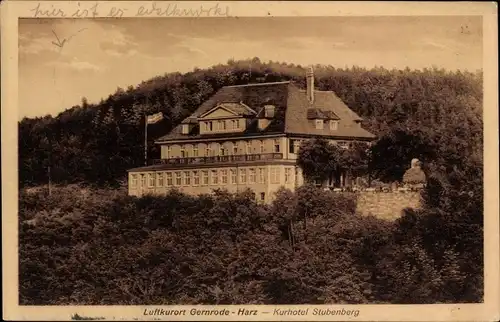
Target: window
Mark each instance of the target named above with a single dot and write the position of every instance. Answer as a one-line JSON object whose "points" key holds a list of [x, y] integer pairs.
{"points": [[187, 178], [243, 175], [237, 124], [222, 150], [262, 176], [133, 181], [204, 178], [195, 151], [252, 178], [143, 180], [261, 146], [235, 148], [159, 177], [276, 146], [334, 125], [233, 176], [233, 122], [224, 125], [262, 196], [151, 180], [249, 147], [210, 126], [288, 175], [169, 152], [291, 146], [178, 179], [207, 151], [169, 178], [294, 146], [183, 152], [215, 178], [319, 124], [275, 175], [196, 178], [224, 176]]}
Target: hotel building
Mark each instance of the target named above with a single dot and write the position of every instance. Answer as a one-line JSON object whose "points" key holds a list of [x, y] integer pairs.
{"points": [[248, 136]]}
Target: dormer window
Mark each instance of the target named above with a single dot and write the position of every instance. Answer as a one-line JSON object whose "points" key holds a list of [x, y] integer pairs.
{"points": [[334, 125], [319, 124], [187, 127], [269, 111]]}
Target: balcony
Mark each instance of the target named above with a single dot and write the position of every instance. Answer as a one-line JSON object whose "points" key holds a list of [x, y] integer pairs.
{"points": [[219, 159]]}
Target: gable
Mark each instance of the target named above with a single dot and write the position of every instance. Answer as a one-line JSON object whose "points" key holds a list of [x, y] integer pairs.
{"points": [[218, 112]]}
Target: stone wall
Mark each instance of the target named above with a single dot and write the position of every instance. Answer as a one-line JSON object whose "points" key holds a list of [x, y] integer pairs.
{"points": [[389, 204]]}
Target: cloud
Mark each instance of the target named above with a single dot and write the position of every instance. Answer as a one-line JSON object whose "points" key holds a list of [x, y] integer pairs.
{"points": [[119, 53], [434, 44], [76, 64], [29, 44]]}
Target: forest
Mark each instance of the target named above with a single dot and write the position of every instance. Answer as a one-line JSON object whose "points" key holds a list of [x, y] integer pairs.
{"points": [[89, 243]]}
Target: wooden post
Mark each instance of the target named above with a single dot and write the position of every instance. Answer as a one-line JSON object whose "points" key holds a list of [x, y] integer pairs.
{"points": [[145, 139], [50, 186]]}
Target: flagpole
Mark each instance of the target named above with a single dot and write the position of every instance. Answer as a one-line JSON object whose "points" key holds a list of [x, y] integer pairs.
{"points": [[145, 139]]}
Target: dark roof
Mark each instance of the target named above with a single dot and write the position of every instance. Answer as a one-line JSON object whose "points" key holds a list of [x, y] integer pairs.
{"points": [[318, 114], [190, 120], [291, 112], [297, 122]]}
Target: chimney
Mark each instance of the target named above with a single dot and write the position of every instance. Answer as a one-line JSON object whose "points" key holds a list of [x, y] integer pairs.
{"points": [[310, 85]]}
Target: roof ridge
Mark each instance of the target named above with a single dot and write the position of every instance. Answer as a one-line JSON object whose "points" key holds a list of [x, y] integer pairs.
{"points": [[257, 84], [316, 90]]}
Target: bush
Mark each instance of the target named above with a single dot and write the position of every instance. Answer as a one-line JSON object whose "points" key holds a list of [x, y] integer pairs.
{"points": [[308, 246]]}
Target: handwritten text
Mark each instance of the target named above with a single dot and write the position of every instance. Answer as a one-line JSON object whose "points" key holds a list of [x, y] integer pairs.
{"points": [[152, 9]]}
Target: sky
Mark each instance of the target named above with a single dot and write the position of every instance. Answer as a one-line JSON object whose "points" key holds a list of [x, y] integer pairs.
{"points": [[63, 60]]}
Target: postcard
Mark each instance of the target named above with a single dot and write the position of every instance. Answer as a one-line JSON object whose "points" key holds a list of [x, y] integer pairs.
{"points": [[260, 161]]}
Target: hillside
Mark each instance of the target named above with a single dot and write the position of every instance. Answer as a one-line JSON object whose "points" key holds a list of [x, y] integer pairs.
{"points": [[99, 246], [431, 114]]}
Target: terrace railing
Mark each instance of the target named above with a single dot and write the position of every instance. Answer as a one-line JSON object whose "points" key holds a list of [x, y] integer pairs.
{"points": [[219, 159]]}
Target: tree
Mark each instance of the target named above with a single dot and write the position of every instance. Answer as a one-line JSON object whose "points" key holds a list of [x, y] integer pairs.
{"points": [[318, 159], [392, 153]]}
